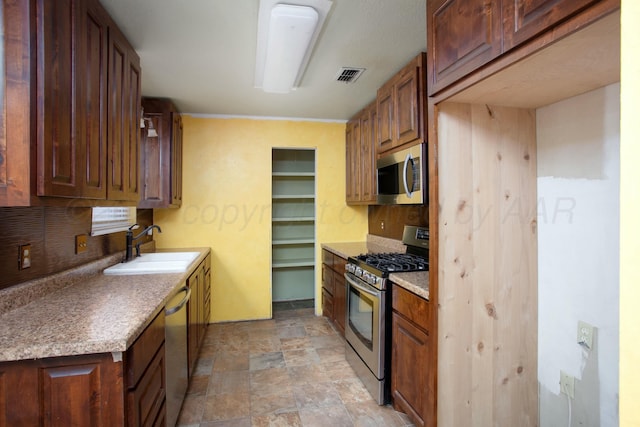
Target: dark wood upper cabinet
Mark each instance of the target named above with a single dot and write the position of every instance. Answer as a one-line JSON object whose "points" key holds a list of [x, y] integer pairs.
{"points": [[462, 35], [400, 107], [465, 35], [123, 119], [57, 107], [15, 128], [61, 108], [524, 19], [360, 150], [161, 156]]}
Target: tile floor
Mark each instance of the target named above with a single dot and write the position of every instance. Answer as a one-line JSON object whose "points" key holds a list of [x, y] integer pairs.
{"points": [[287, 371]]}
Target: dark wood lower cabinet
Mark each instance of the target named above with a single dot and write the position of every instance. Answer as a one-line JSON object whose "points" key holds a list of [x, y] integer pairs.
{"points": [[89, 390], [412, 367], [198, 310], [334, 291]]}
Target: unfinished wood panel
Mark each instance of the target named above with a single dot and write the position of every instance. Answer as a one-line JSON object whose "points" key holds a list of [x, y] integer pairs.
{"points": [[487, 318]]}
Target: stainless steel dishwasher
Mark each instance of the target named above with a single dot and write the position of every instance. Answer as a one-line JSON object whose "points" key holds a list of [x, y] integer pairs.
{"points": [[176, 365]]}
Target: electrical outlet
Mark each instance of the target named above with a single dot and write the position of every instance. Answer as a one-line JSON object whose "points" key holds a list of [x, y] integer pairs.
{"points": [[567, 384], [24, 256], [81, 243], [585, 334]]}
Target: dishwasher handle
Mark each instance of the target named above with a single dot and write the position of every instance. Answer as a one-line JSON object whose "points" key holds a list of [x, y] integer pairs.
{"points": [[171, 310]]}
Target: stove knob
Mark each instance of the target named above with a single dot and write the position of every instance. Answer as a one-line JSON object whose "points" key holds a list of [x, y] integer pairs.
{"points": [[366, 276], [372, 280], [358, 272]]}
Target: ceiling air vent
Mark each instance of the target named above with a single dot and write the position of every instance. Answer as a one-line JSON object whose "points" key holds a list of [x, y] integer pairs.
{"points": [[349, 74]]}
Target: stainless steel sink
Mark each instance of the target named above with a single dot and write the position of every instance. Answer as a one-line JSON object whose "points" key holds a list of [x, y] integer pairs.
{"points": [[155, 263]]}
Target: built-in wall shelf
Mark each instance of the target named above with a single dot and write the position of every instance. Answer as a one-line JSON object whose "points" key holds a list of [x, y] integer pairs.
{"points": [[293, 224]]}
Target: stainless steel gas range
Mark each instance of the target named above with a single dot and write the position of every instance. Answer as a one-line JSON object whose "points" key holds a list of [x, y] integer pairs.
{"points": [[367, 327]]}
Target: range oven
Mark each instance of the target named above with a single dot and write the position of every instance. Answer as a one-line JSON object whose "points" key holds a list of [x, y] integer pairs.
{"points": [[367, 326]]}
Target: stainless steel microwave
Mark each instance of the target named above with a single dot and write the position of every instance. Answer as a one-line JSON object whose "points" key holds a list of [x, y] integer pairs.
{"points": [[402, 177]]}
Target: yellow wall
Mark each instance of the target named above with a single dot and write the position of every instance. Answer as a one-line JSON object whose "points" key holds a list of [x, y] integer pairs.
{"points": [[630, 216], [227, 204]]}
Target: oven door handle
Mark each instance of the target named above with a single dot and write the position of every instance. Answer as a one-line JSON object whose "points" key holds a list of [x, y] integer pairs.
{"points": [[359, 287]]}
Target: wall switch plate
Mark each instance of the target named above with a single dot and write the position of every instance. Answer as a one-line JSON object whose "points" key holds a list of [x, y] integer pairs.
{"points": [[81, 243], [24, 256], [567, 384], [585, 334]]}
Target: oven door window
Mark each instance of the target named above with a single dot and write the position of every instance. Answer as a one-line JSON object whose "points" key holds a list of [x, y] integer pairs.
{"points": [[361, 316]]}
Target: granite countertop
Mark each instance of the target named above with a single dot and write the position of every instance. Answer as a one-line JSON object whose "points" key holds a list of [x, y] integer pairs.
{"points": [[86, 311], [416, 282]]}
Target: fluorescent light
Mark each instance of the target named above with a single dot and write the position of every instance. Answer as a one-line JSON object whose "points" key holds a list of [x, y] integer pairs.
{"points": [[286, 36]]}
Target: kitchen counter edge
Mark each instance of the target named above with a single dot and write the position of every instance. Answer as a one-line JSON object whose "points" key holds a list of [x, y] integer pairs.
{"points": [[97, 314]]}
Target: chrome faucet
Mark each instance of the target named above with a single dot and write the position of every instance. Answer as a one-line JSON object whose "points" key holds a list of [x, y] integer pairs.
{"points": [[130, 239]]}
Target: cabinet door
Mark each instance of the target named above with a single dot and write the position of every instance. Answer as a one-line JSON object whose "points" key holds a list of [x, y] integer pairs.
{"points": [[353, 161], [56, 114], [339, 301], [409, 370], [385, 113], [524, 19], [193, 313], [62, 391], [176, 160], [15, 140], [367, 155], [462, 35], [146, 402], [407, 120], [123, 119], [91, 93]]}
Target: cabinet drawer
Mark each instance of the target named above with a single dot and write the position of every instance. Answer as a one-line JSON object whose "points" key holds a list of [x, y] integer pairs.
{"points": [[147, 400], [141, 353], [327, 279], [327, 304], [411, 306], [339, 264], [327, 258]]}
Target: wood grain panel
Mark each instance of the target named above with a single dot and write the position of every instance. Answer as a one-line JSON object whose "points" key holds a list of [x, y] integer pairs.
{"points": [[487, 266], [15, 172], [395, 217]]}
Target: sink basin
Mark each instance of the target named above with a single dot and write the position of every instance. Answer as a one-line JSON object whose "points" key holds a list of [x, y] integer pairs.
{"points": [[155, 263]]}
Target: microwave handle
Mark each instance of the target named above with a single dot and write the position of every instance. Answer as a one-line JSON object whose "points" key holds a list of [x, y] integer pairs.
{"points": [[404, 175]]}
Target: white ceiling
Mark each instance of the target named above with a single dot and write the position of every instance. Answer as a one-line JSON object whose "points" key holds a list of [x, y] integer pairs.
{"points": [[201, 54]]}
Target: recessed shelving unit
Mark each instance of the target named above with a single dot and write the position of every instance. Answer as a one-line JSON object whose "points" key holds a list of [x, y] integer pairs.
{"points": [[293, 224]]}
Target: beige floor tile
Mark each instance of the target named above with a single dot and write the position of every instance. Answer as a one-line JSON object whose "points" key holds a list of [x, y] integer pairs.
{"points": [[265, 345], [238, 422], [316, 395], [287, 419], [229, 382], [307, 374], [269, 380], [305, 356], [273, 402], [297, 343], [226, 407], [370, 414], [192, 410], [325, 416], [231, 361], [352, 390]]}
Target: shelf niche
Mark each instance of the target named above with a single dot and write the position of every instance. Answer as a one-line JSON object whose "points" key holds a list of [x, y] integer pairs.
{"points": [[293, 224]]}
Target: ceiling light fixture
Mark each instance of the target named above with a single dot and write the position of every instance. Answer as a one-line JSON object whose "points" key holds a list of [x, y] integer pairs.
{"points": [[286, 36]]}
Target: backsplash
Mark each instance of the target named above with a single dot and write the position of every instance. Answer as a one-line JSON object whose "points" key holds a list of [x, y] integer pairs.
{"points": [[51, 233], [389, 220]]}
